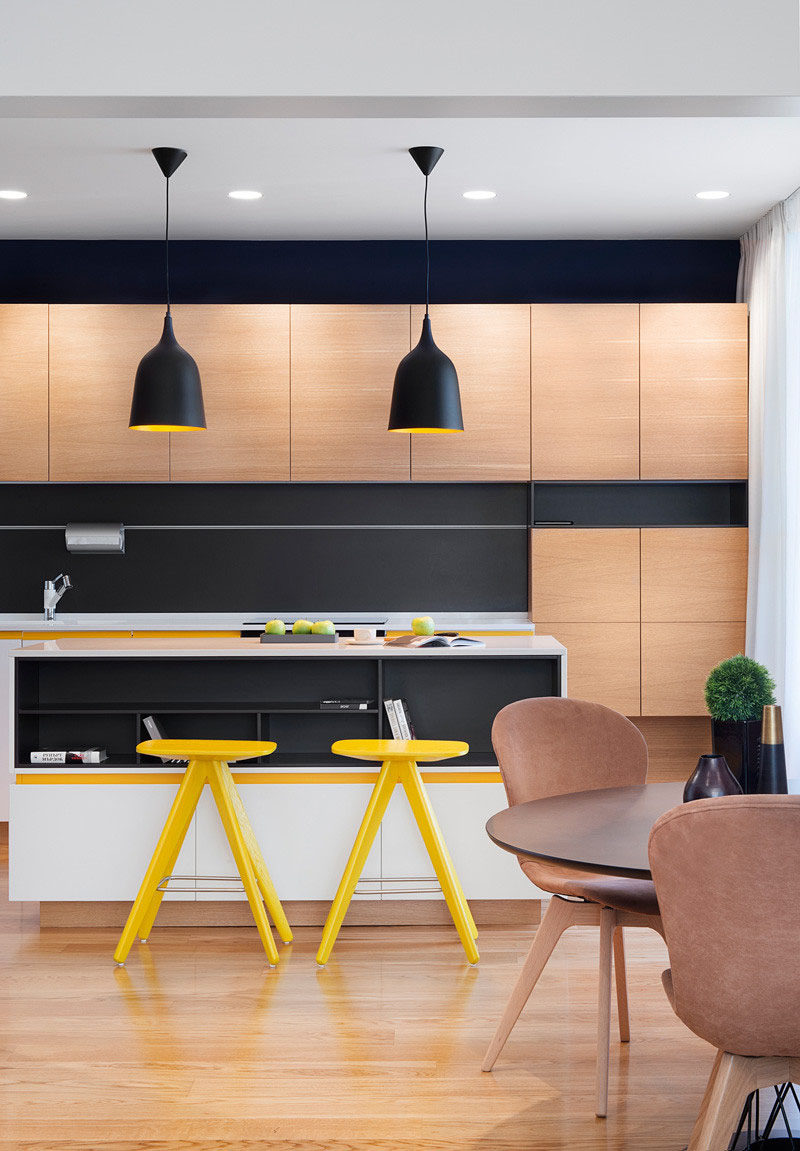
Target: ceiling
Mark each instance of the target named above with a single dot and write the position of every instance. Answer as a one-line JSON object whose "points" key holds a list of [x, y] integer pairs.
{"points": [[566, 177], [589, 120]]}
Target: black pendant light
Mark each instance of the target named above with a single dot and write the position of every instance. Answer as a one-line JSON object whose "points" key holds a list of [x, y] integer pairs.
{"points": [[167, 396], [426, 396]]}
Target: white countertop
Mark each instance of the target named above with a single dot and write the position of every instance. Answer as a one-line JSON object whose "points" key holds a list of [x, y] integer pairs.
{"points": [[235, 621], [521, 645]]}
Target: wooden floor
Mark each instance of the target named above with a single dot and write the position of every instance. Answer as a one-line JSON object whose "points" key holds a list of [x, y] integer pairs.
{"points": [[195, 1045]]}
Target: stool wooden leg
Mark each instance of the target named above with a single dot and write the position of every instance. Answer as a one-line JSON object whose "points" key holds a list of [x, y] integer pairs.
{"points": [[167, 848], [241, 856], [198, 782], [440, 858], [381, 794], [263, 878]]}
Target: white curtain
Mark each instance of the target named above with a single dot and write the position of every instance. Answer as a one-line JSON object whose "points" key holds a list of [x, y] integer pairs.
{"points": [[769, 281]]}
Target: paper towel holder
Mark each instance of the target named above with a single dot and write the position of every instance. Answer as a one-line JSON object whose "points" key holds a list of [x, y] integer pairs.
{"points": [[95, 538]]}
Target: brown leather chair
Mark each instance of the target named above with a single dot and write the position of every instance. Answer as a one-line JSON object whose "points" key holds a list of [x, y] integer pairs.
{"points": [[550, 747], [728, 884]]}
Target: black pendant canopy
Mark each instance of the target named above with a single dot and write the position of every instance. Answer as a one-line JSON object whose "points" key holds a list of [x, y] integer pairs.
{"points": [[167, 396], [426, 396]]}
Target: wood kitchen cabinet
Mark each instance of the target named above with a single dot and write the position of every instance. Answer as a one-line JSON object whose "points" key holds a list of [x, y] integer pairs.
{"points": [[242, 351], [585, 391], [694, 598], [343, 361], [585, 591], [94, 352], [676, 660], [490, 347], [693, 391], [23, 392], [694, 575]]}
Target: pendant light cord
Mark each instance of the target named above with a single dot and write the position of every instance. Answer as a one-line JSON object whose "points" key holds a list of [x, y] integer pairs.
{"points": [[427, 251], [166, 244]]}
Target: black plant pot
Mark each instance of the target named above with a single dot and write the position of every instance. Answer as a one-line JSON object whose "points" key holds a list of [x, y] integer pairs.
{"points": [[740, 743]]}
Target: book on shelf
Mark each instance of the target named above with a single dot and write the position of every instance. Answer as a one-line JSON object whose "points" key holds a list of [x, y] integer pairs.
{"points": [[151, 726], [438, 639], [399, 719], [344, 704], [84, 755]]}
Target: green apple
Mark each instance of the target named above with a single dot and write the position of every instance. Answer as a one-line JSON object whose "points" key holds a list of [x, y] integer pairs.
{"points": [[301, 627], [275, 627], [422, 625], [323, 627]]}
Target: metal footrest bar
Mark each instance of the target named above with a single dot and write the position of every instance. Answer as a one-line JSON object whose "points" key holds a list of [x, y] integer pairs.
{"points": [[231, 879], [385, 885]]}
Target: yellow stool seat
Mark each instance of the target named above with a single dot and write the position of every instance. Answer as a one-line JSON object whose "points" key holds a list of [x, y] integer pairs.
{"points": [[399, 759], [208, 761], [420, 750], [224, 750]]}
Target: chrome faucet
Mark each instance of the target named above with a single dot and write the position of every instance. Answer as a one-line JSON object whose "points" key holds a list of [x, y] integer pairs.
{"points": [[53, 593]]}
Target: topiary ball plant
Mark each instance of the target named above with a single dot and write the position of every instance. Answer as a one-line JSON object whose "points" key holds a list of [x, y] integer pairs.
{"points": [[737, 690]]}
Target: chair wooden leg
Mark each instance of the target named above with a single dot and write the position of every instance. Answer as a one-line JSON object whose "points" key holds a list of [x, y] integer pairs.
{"points": [[729, 1084], [622, 987], [559, 916], [608, 923]]}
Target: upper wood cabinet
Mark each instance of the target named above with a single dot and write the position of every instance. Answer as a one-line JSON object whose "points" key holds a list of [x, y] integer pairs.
{"points": [[588, 575], [694, 391], [585, 391], [242, 351], [344, 358], [23, 392], [694, 575], [490, 347], [94, 352]]}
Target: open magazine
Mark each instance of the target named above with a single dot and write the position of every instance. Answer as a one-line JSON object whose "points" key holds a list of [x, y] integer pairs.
{"points": [[440, 639]]}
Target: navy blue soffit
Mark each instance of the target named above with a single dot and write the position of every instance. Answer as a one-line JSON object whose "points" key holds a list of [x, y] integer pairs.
{"points": [[367, 271]]}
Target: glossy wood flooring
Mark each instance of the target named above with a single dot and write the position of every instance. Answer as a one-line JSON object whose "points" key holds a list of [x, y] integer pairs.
{"points": [[195, 1045]]}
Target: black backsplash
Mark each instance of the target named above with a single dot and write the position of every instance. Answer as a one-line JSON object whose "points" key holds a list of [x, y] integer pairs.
{"points": [[266, 548]]}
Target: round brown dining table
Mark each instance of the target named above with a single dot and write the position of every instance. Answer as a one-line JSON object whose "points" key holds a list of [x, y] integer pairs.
{"points": [[604, 830]]}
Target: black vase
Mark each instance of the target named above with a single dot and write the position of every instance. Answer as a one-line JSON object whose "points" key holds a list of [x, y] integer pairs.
{"points": [[711, 778], [740, 744], [772, 773]]}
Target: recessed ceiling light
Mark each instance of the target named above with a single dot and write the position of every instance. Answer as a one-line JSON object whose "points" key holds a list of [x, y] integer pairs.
{"points": [[479, 194], [712, 195], [12, 194], [244, 194]]}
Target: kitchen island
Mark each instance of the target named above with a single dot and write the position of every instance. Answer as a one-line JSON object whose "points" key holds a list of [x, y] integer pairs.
{"points": [[81, 835]]}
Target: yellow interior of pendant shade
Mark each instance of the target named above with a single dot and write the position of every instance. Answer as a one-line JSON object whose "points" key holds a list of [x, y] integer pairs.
{"points": [[166, 428], [429, 431]]}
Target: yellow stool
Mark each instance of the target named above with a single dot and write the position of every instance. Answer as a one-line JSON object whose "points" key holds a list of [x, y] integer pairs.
{"points": [[399, 758], [208, 763]]}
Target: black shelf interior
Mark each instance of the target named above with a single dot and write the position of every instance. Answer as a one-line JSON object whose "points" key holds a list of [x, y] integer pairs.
{"points": [[85, 702], [639, 503]]}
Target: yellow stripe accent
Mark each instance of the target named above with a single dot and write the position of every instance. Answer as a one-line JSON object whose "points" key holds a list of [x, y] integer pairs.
{"points": [[105, 778], [476, 634], [10, 635], [39, 635]]}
